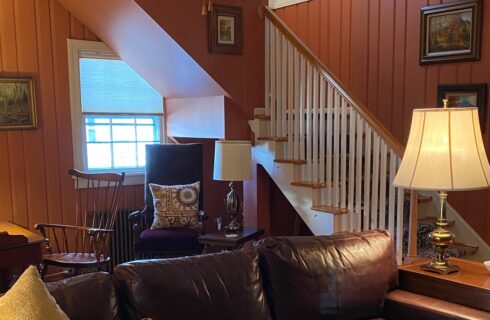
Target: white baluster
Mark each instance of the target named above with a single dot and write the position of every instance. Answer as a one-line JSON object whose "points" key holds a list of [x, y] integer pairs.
{"points": [[382, 187], [267, 66], [314, 113], [273, 101], [352, 158], [308, 122], [375, 182], [279, 102], [367, 178], [336, 150], [359, 173], [343, 155], [322, 130], [290, 117], [302, 92], [329, 137], [392, 194], [284, 74], [297, 115]]}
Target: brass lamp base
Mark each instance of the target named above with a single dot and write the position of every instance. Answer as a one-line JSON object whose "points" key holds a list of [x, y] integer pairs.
{"points": [[233, 208], [446, 268], [441, 239]]}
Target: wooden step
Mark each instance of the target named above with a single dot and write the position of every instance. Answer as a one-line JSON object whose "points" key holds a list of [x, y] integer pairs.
{"points": [[433, 220], [277, 139], [309, 184], [330, 209], [262, 117], [290, 161], [470, 249]]}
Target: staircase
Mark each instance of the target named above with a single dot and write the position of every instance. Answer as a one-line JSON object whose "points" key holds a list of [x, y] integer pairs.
{"points": [[330, 156], [333, 160]]}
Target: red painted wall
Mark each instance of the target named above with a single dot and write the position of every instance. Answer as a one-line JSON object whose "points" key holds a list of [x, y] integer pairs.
{"points": [[242, 76], [34, 182], [373, 48]]}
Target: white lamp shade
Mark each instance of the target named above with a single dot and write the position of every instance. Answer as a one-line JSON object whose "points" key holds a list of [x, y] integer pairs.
{"points": [[232, 160], [444, 152]]}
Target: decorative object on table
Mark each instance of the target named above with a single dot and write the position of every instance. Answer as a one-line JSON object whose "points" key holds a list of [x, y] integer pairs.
{"points": [[465, 95], [450, 32], [444, 152], [232, 162], [17, 103], [225, 30]]}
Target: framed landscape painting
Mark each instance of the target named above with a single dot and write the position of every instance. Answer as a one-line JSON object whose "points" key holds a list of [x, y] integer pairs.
{"points": [[465, 95], [17, 103], [450, 32], [225, 30]]}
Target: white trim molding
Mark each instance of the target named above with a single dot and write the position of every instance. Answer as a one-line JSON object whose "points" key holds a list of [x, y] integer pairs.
{"points": [[276, 4]]}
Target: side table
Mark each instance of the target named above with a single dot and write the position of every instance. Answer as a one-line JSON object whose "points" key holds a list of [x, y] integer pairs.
{"points": [[219, 239], [470, 286], [19, 247]]}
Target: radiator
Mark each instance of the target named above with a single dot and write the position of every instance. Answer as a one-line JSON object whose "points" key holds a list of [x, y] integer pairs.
{"points": [[121, 249]]}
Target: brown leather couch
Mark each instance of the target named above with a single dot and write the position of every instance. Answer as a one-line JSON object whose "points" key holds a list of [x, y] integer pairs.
{"points": [[345, 276]]}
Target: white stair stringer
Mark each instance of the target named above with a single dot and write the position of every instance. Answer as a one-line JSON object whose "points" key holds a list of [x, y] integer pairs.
{"points": [[301, 198]]}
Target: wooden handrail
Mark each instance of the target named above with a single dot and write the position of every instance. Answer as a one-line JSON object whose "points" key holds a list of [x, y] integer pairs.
{"points": [[369, 117]]}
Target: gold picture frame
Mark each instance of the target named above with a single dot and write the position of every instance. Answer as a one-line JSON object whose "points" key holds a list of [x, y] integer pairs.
{"points": [[450, 32], [225, 30], [17, 103]]}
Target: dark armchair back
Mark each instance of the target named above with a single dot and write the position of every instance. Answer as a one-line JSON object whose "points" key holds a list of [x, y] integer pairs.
{"points": [[172, 164]]}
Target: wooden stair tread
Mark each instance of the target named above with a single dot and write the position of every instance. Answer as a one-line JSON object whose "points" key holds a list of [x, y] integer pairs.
{"points": [[277, 139], [293, 161], [470, 249], [308, 184], [262, 117], [330, 209], [432, 219]]}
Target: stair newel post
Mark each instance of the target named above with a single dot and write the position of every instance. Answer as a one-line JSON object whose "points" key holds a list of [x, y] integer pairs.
{"points": [[290, 117], [272, 80], [267, 102]]}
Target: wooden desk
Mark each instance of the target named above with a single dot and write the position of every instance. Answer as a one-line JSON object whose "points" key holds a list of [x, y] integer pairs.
{"points": [[19, 248], [470, 286], [219, 239]]}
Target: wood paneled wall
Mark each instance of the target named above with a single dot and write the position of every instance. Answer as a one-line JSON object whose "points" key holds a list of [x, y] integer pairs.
{"points": [[372, 46], [34, 184]]}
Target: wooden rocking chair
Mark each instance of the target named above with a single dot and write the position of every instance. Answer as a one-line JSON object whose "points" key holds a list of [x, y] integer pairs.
{"points": [[85, 244]]}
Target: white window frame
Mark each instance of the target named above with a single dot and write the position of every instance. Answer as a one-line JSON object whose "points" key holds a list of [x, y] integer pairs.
{"points": [[99, 50]]}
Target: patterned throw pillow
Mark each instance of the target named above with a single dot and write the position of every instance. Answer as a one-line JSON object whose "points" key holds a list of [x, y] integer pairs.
{"points": [[175, 206]]}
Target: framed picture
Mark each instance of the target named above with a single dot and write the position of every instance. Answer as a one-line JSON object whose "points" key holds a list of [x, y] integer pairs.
{"points": [[225, 30], [17, 103], [465, 95], [450, 32]]}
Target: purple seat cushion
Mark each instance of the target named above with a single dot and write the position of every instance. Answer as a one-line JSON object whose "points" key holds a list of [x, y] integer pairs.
{"points": [[175, 239]]}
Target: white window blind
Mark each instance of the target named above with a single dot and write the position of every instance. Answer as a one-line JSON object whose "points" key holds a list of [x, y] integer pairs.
{"points": [[112, 87]]}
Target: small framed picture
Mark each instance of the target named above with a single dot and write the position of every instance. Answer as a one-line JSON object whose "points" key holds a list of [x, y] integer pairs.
{"points": [[17, 103], [450, 32], [465, 95], [225, 30]]}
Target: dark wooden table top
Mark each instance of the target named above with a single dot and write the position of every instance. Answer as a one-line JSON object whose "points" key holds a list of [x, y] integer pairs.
{"points": [[220, 238], [10, 230]]}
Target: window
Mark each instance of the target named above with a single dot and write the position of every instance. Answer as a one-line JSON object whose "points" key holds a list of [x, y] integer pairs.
{"points": [[115, 112]]}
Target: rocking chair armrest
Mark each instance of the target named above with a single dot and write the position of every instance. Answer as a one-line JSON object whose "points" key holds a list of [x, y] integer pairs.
{"points": [[137, 215], [94, 231], [202, 216], [40, 226]]}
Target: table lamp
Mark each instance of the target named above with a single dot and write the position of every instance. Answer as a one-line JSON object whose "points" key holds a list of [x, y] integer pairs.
{"points": [[232, 162], [444, 152]]}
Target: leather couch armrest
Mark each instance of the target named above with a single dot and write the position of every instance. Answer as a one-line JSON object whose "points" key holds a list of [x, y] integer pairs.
{"points": [[86, 297]]}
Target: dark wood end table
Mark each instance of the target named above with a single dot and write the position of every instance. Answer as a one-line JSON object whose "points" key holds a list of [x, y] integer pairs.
{"points": [[470, 286], [219, 239], [19, 248]]}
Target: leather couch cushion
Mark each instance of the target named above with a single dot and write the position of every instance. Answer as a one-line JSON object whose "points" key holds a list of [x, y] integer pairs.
{"points": [[343, 276], [216, 286], [404, 305], [86, 297], [175, 239]]}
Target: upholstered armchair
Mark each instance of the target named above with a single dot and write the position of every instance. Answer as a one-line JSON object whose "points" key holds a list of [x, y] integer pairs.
{"points": [[169, 165]]}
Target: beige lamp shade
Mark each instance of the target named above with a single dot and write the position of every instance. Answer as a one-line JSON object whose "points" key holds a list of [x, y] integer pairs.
{"points": [[444, 152], [232, 160]]}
